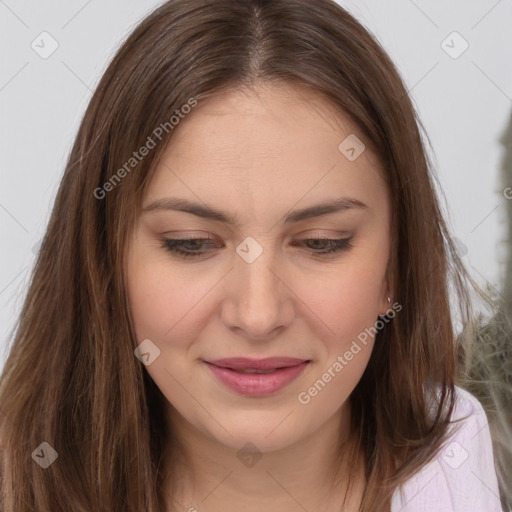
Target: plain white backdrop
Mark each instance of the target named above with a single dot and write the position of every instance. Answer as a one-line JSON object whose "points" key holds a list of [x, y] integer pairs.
{"points": [[53, 54]]}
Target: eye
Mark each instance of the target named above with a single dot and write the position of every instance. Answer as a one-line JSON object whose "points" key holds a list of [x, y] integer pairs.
{"points": [[194, 247], [186, 247], [333, 245]]}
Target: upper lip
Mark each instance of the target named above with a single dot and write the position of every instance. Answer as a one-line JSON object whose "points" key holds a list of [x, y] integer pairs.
{"points": [[245, 363]]}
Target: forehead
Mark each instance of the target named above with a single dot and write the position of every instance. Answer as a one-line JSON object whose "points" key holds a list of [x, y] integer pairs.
{"points": [[274, 145], [279, 114]]}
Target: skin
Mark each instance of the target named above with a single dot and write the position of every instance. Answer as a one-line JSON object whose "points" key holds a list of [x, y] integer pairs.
{"points": [[258, 154]]}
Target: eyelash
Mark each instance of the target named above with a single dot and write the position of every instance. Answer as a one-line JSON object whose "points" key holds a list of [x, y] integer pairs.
{"points": [[173, 245]]}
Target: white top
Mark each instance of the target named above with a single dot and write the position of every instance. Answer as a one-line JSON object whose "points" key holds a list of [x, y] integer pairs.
{"points": [[462, 478]]}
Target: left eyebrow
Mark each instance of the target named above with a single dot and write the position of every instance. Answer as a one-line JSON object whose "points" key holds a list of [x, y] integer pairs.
{"points": [[326, 208], [207, 212]]}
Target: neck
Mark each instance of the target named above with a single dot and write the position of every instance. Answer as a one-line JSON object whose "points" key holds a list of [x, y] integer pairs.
{"points": [[315, 470]]}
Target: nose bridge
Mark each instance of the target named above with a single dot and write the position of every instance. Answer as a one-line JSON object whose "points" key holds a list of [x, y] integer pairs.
{"points": [[253, 268], [257, 295], [258, 279]]}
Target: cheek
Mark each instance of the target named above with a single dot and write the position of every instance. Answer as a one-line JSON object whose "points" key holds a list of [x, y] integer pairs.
{"points": [[344, 304], [159, 296], [346, 300]]}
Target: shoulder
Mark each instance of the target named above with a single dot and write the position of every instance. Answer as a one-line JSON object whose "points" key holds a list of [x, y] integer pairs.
{"points": [[462, 477]]}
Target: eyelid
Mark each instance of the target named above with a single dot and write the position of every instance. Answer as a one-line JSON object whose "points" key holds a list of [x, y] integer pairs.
{"points": [[338, 246], [191, 234], [204, 235], [316, 234]]}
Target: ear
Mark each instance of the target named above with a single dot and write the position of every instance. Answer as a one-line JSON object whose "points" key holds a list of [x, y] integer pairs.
{"points": [[387, 285], [385, 305]]}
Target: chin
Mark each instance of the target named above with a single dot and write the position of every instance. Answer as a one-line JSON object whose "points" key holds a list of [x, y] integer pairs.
{"points": [[266, 436]]}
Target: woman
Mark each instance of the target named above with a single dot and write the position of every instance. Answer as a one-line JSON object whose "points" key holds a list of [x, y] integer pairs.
{"points": [[242, 297]]}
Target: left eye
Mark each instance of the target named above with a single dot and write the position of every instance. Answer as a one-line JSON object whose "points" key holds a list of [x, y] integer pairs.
{"points": [[191, 247], [333, 244]]}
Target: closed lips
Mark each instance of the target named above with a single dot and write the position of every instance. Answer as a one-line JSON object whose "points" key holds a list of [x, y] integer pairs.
{"points": [[246, 365], [257, 377]]}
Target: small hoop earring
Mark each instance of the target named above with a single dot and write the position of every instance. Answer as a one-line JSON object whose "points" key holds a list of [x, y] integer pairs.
{"points": [[384, 315]]}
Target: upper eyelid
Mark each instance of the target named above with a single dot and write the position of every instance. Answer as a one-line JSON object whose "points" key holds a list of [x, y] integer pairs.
{"points": [[302, 238], [203, 235]]}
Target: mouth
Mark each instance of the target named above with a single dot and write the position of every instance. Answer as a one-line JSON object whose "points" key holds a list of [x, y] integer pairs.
{"points": [[248, 364], [257, 377]]}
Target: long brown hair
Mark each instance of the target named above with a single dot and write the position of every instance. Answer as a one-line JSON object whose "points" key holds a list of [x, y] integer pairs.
{"points": [[71, 379]]}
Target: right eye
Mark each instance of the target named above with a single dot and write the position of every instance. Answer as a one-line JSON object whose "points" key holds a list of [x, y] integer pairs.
{"points": [[188, 247]]}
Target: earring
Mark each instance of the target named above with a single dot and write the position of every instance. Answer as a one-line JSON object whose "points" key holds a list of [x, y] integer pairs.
{"points": [[382, 316]]}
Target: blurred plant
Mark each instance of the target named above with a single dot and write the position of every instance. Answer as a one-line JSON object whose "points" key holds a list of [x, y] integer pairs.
{"points": [[485, 356]]}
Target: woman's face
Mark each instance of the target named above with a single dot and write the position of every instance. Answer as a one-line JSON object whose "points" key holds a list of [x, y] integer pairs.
{"points": [[256, 285]]}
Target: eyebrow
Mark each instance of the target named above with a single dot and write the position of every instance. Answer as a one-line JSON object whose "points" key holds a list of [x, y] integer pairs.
{"points": [[207, 212]]}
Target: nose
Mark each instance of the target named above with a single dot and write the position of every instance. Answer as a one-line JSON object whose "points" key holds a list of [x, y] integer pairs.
{"points": [[258, 301]]}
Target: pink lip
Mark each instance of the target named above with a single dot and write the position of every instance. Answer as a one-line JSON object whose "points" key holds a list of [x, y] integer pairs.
{"points": [[258, 384], [246, 363]]}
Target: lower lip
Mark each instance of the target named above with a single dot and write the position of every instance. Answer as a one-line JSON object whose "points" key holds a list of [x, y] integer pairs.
{"points": [[257, 384]]}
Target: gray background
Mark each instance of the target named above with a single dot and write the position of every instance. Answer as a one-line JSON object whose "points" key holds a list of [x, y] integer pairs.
{"points": [[464, 103]]}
